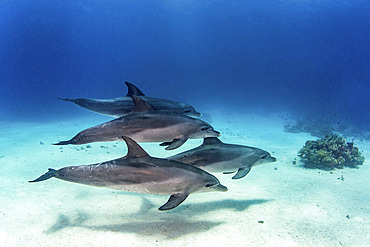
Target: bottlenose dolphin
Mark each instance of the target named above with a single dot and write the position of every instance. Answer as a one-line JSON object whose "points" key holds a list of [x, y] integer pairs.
{"points": [[138, 172], [145, 124], [119, 107], [215, 156]]}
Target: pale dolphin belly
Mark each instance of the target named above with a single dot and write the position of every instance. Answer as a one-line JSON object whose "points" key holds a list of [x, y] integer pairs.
{"points": [[163, 134], [222, 166]]}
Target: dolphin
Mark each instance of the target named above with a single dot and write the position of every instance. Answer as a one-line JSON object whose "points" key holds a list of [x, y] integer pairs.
{"points": [[138, 172], [215, 156], [119, 107], [145, 124]]}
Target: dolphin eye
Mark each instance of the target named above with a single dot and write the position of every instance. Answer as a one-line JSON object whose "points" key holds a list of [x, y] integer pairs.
{"points": [[203, 128], [209, 185], [187, 111], [264, 156]]}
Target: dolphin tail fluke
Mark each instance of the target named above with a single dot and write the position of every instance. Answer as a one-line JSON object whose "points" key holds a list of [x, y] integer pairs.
{"points": [[174, 201], [72, 141], [71, 100], [51, 173]]}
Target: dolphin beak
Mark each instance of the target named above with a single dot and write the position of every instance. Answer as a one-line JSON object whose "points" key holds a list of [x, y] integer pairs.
{"points": [[273, 159], [217, 133], [220, 187], [196, 114]]}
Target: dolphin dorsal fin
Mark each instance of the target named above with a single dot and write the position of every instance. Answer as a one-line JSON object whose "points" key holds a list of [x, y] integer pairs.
{"points": [[133, 90], [211, 141], [133, 149], [141, 105]]}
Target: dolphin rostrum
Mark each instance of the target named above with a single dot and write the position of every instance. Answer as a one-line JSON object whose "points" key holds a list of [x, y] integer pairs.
{"points": [[145, 124], [138, 172], [215, 156], [119, 107]]}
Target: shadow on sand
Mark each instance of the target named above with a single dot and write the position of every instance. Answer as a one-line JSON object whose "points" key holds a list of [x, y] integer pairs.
{"points": [[172, 224]]}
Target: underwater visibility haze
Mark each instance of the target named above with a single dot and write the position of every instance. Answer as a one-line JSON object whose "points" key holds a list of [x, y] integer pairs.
{"points": [[305, 57], [283, 86]]}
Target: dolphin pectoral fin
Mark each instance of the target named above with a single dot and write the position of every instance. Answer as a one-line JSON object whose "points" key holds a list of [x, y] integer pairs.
{"points": [[176, 143], [174, 201], [49, 174], [165, 144], [242, 172]]}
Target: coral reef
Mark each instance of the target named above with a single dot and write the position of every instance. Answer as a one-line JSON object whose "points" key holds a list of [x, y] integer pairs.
{"points": [[330, 152]]}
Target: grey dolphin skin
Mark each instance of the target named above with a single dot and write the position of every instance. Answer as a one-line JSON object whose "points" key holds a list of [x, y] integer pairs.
{"points": [[119, 107], [145, 124], [140, 173], [215, 156]]}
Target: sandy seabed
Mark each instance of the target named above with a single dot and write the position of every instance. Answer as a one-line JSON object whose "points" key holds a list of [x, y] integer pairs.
{"points": [[276, 204]]}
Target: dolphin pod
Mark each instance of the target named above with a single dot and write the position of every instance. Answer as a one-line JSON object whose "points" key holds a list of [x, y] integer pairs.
{"points": [[146, 119]]}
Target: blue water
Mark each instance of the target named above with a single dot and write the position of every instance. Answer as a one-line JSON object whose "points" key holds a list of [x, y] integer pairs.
{"points": [[309, 58]]}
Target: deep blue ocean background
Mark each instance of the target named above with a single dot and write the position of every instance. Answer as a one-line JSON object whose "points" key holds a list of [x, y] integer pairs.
{"points": [[308, 58]]}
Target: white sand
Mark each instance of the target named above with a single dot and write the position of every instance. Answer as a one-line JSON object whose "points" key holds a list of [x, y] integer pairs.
{"points": [[299, 207]]}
